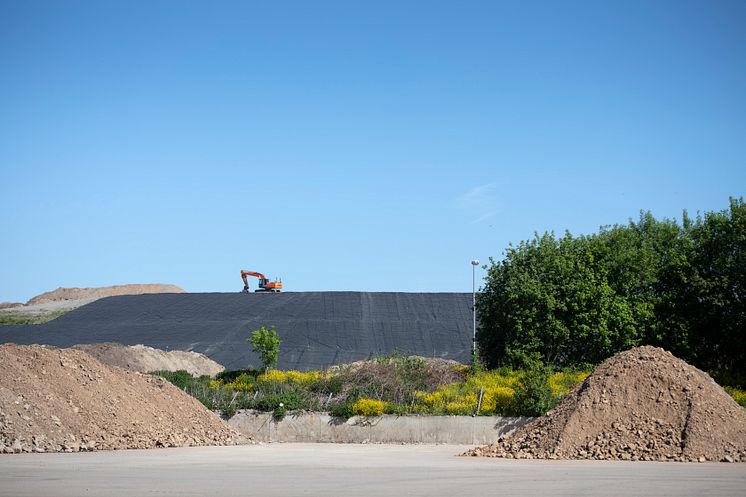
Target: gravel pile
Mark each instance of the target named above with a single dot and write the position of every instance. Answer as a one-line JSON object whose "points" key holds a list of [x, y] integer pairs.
{"points": [[642, 404], [64, 400]]}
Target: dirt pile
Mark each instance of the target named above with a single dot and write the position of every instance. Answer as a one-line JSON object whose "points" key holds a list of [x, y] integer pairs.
{"points": [[64, 400], [146, 359], [62, 294], [642, 404]]}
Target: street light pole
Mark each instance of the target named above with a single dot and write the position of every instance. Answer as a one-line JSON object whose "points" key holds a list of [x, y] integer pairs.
{"points": [[474, 264]]}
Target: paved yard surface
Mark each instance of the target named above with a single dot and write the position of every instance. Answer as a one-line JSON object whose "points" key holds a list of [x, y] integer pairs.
{"points": [[330, 470]]}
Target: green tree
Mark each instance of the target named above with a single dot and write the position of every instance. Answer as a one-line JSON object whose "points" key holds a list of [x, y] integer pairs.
{"points": [[716, 291], [550, 300], [575, 300], [267, 344]]}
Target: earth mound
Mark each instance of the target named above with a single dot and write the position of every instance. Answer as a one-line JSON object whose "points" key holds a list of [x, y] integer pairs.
{"points": [[62, 294], [642, 404], [64, 400], [146, 359]]}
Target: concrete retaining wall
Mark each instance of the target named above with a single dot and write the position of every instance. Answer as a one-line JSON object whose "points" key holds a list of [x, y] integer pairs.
{"points": [[320, 427]]}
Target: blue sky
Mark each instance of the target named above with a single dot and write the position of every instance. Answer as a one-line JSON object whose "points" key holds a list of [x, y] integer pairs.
{"points": [[374, 146]]}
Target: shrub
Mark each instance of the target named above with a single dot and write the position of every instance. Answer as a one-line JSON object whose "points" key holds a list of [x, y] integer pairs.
{"points": [[394, 409], [533, 393], [267, 344], [738, 395], [279, 412], [498, 400], [563, 382], [228, 376], [290, 399], [369, 407], [181, 378], [341, 409]]}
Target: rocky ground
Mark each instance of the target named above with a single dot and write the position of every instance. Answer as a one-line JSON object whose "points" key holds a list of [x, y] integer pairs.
{"points": [[64, 400], [146, 359], [642, 404]]}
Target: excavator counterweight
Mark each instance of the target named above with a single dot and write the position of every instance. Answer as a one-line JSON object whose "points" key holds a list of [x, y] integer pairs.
{"points": [[264, 284]]}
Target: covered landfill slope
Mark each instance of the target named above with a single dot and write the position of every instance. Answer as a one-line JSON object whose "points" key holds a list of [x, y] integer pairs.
{"points": [[318, 329]]}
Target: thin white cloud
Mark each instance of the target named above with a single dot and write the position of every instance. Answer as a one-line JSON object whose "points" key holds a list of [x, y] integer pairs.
{"points": [[483, 217], [480, 201]]}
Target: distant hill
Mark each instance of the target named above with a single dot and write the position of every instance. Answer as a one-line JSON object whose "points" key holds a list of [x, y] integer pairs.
{"points": [[63, 294]]}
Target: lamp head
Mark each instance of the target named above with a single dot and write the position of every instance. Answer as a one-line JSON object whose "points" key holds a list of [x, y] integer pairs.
{"points": [[475, 262]]}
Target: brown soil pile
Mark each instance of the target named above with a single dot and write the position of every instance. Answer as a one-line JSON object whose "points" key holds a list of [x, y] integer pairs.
{"points": [[64, 400], [642, 404], [62, 294], [146, 359]]}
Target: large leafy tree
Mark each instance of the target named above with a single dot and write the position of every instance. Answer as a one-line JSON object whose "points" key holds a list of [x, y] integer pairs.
{"points": [[716, 292], [577, 300]]}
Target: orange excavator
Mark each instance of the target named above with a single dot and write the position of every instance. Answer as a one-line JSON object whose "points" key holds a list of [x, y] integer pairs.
{"points": [[264, 284]]}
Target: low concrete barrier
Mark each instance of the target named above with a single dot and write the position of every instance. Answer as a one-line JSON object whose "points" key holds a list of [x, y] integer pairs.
{"points": [[320, 427]]}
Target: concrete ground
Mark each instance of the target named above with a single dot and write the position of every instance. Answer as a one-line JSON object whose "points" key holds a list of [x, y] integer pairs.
{"points": [[350, 470]]}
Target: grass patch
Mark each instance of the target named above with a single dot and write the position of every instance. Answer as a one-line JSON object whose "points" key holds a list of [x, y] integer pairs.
{"points": [[10, 317]]}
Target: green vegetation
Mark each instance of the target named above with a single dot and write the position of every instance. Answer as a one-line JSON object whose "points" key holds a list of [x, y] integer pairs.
{"points": [[738, 395], [575, 301], [388, 385], [10, 317], [267, 344], [391, 385]]}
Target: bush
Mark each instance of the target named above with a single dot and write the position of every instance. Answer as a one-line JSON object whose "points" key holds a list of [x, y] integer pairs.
{"points": [[394, 409], [290, 399], [181, 378], [229, 376], [213, 394], [533, 392], [738, 395], [369, 407], [267, 344], [279, 412], [341, 409]]}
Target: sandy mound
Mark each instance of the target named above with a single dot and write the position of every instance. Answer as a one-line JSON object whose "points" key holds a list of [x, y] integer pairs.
{"points": [[65, 400], [642, 404], [62, 294], [146, 359]]}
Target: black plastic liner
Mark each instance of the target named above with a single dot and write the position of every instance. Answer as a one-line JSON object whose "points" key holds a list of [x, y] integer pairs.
{"points": [[317, 329]]}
